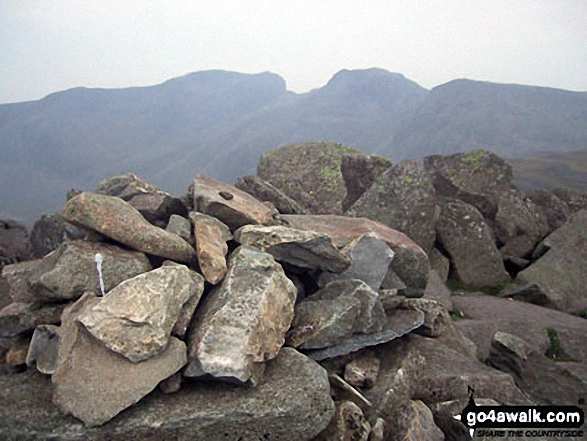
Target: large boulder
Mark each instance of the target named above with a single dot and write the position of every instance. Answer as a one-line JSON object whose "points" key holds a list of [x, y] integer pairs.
{"points": [[135, 319], [228, 204], [115, 218], [477, 178], [560, 274], [265, 192], [410, 262], [293, 402], [71, 270], [465, 236], [47, 234], [242, 323], [403, 199], [14, 243], [308, 173], [359, 172]]}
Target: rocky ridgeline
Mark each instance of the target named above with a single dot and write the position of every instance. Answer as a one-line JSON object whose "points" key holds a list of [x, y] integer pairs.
{"points": [[316, 309]]}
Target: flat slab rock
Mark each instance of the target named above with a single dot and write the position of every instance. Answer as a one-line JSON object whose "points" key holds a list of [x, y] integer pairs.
{"points": [[292, 403]]}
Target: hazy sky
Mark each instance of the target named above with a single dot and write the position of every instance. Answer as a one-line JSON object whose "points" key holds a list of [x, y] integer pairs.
{"points": [[51, 45]]}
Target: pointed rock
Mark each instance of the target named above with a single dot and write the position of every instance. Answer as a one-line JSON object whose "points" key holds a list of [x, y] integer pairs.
{"points": [[242, 323], [136, 318], [47, 233], [370, 258], [44, 349], [211, 236], [410, 262], [265, 192], [359, 172], [228, 204], [305, 249], [157, 208], [71, 270], [182, 227], [348, 424], [118, 220]]}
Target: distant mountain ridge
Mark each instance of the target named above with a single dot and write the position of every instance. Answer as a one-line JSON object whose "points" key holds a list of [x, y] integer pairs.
{"points": [[218, 123]]}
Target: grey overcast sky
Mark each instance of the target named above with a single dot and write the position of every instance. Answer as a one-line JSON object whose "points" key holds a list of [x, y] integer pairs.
{"points": [[52, 45]]}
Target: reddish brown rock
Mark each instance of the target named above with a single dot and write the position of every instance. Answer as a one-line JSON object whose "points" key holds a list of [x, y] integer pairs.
{"points": [[211, 236]]}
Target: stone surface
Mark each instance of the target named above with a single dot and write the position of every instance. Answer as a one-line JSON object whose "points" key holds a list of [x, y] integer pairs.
{"points": [[292, 403], [468, 240], [476, 178], [575, 200], [17, 354], [308, 173], [370, 258], [136, 318], [305, 249], [17, 318], [323, 323], [171, 384], [542, 379], [415, 423], [436, 318], [371, 317], [437, 290], [399, 322], [362, 371], [71, 270], [242, 323], [211, 236], [44, 349], [265, 192], [118, 220], [181, 226], [560, 272], [126, 186], [410, 262], [453, 429], [554, 209], [359, 172], [228, 204], [14, 242], [47, 233], [157, 208], [524, 320], [347, 424], [439, 263], [18, 276], [449, 373], [378, 430], [402, 198]]}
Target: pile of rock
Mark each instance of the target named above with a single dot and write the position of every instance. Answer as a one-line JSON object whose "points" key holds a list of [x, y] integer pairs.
{"points": [[220, 315]]}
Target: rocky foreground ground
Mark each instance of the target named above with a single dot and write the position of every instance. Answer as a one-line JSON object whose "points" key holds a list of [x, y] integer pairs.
{"points": [[334, 296]]}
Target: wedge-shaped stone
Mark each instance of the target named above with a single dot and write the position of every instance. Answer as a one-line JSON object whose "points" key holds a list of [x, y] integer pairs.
{"points": [[229, 204], [371, 316], [118, 220], [265, 192], [305, 249], [18, 317], [71, 270], [242, 323], [136, 318], [211, 236], [44, 349], [370, 258]]}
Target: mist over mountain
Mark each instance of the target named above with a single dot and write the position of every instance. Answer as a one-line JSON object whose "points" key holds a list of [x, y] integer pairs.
{"points": [[218, 123]]}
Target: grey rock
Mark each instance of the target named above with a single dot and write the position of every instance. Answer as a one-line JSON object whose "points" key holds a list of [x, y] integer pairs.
{"points": [[265, 192], [378, 430], [560, 272], [125, 186], [371, 317], [71, 270], [17, 354], [14, 243], [480, 332], [305, 249], [575, 200], [47, 233], [410, 262], [436, 318], [18, 276], [242, 323], [118, 220], [399, 322], [390, 299], [17, 317], [392, 281], [323, 323], [293, 402], [359, 172], [370, 258], [439, 263], [542, 379], [444, 413], [171, 384], [157, 208], [554, 209], [228, 204], [415, 422], [181, 226], [211, 236], [362, 371], [44, 349], [468, 240], [437, 290], [348, 424], [309, 173], [136, 318], [403, 199]]}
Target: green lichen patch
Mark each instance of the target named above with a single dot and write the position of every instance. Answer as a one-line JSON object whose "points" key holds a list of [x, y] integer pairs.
{"points": [[555, 351]]}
